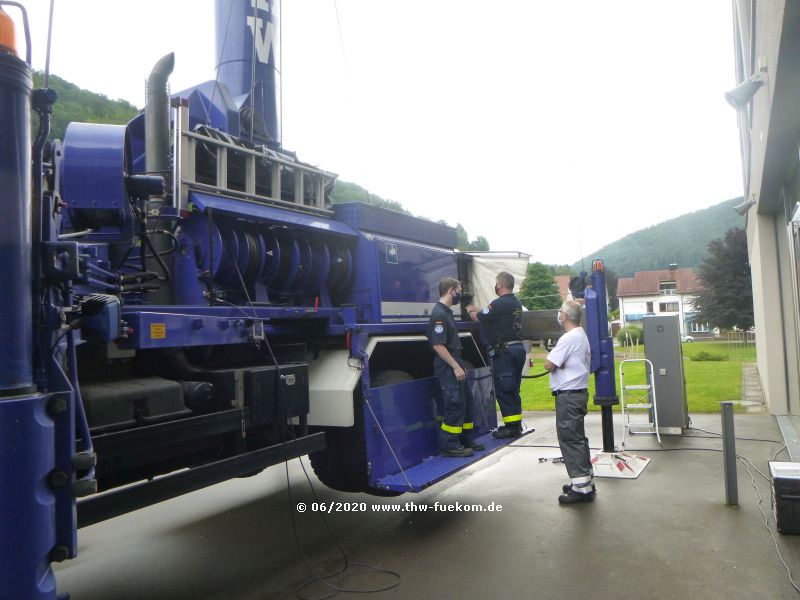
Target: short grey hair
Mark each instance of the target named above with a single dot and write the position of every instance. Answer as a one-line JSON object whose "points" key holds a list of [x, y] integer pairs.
{"points": [[505, 279], [573, 310]]}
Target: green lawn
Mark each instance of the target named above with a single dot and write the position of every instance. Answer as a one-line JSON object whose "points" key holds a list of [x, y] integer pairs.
{"points": [[707, 382]]}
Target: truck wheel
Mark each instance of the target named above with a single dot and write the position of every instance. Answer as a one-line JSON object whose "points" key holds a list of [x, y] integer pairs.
{"points": [[342, 465]]}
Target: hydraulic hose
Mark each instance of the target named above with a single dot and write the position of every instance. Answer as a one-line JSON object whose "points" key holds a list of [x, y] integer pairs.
{"points": [[80, 411]]}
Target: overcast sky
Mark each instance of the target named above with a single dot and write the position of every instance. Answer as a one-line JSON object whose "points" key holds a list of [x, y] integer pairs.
{"points": [[547, 127]]}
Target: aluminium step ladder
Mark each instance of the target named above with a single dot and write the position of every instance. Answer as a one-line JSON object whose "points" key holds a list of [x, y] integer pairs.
{"points": [[644, 399]]}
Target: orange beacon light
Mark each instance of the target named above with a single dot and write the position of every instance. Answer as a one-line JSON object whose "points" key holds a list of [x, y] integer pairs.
{"points": [[7, 39]]}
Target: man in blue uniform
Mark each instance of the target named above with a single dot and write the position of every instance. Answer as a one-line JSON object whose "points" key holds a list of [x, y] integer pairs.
{"points": [[503, 321], [455, 435]]}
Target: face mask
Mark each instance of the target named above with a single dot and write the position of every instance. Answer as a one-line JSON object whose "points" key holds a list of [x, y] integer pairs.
{"points": [[456, 298]]}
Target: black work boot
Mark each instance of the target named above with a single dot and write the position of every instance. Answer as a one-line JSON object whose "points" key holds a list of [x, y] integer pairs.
{"points": [[475, 446], [573, 497], [457, 452], [507, 432]]}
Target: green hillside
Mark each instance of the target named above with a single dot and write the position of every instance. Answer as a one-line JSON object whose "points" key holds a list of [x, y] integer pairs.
{"points": [[682, 240], [82, 106], [345, 191]]}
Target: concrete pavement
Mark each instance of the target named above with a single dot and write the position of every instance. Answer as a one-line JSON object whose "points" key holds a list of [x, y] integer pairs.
{"points": [[666, 534]]}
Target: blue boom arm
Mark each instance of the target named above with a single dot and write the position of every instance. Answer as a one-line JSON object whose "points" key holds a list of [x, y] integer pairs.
{"points": [[602, 347]]}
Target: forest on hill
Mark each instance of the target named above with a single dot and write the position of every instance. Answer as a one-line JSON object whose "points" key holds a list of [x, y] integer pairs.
{"points": [[346, 191], [81, 106], [683, 241]]}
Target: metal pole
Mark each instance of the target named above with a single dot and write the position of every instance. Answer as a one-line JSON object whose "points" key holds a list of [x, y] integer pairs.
{"points": [[602, 353], [28, 476], [607, 423], [729, 454]]}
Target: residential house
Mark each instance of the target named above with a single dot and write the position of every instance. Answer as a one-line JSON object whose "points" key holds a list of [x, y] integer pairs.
{"points": [[665, 292]]}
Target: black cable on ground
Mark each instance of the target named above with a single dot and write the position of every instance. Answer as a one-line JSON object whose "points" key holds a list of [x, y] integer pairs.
{"points": [[748, 464], [738, 438], [338, 573], [288, 428], [347, 563]]}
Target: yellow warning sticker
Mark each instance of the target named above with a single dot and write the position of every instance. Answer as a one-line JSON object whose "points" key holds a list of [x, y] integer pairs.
{"points": [[158, 331]]}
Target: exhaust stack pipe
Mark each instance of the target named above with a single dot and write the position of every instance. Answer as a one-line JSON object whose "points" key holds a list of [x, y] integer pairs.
{"points": [[156, 116]]}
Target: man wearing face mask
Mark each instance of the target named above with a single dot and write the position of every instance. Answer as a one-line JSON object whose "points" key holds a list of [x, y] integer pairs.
{"points": [[455, 434], [503, 321], [568, 364]]}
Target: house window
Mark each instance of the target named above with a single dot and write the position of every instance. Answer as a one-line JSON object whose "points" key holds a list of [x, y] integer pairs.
{"points": [[667, 288], [667, 307], [650, 307], [699, 327]]}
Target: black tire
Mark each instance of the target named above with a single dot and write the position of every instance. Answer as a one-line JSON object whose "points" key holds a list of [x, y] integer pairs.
{"points": [[342, 465]]}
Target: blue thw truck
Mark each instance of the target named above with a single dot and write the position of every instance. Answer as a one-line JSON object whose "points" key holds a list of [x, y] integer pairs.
{"points": [[184, 305]]}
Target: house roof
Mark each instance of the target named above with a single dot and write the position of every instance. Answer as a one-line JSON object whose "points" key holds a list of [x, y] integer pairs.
{"points": [[562, 281], [646, 283]]}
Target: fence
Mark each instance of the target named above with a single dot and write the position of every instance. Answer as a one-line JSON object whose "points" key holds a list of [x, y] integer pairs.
{"points": [[741, 344], [632, 348]]}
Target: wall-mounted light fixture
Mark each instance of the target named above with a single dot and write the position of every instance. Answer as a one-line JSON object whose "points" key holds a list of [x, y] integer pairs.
{"points": [[744, 207], [796, 218], [740, 96]]}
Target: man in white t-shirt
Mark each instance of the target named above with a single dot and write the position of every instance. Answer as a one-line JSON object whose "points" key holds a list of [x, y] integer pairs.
{"points": [[568, 364]]}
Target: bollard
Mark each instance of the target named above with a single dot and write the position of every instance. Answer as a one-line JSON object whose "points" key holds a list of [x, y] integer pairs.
{"points": [[729, 454]]}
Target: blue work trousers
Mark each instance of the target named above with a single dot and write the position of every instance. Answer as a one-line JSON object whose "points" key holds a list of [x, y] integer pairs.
{"points": [[507, 367], [456, 407]]}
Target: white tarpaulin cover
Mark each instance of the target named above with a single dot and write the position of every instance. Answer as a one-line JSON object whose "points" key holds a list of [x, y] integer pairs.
{"points": [[486, 266]]}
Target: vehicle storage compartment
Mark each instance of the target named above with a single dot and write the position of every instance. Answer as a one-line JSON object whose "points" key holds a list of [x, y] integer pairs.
{"points": [[143, 401], [276, 394], [402, 416]]}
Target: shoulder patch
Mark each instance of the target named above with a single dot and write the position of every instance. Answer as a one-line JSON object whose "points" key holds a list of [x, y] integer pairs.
{"points": [[487, 309], [438, 328]]}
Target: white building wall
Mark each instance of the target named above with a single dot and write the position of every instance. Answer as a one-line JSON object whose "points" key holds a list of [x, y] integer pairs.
{"points": [[637, 305], [788, 296], [768, 132], [770, 332]]}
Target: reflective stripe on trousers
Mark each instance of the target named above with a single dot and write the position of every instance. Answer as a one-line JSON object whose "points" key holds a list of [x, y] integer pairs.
{"points": [[456, 407], [507, 375]]}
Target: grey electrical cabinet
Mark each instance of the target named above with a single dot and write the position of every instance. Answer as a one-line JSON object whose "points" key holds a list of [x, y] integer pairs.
{"points": [[662, 343]]}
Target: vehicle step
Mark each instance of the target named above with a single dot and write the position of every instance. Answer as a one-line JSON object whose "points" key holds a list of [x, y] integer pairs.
{"points": [[436, 468]]}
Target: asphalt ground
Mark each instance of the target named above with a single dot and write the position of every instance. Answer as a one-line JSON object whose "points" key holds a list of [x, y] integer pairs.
{"points": [[666, 534]]}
